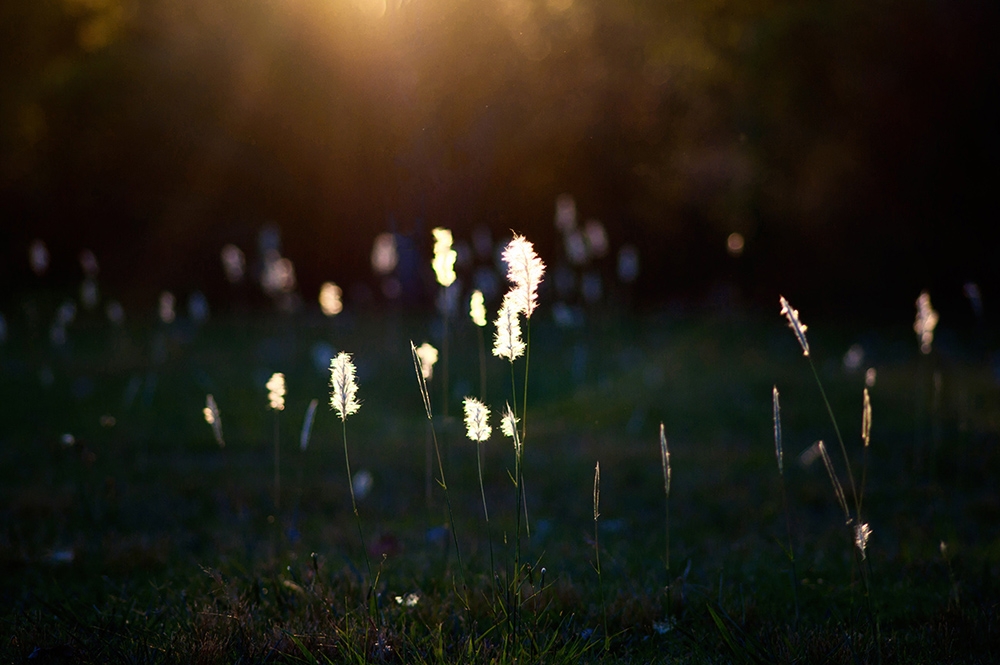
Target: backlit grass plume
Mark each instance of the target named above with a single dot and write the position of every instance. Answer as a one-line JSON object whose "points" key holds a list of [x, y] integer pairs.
{"points": [[477, 312], [524, 270], [477, 308], [276, 402], [477, 427], [443, 264], [477, 416], [507, 341], [795, 324], [444, 257], [343, 399]]}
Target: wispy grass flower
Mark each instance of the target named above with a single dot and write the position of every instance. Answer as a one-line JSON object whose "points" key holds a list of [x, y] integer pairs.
{"points": [[861, 534], [214, 418], [525, 271], [276, 402], [444, 257], [477, 312], [795, 324], [443, 264], [477, 308], [477, 417], [507, 340], [276, 391], [343, 399], [508, 426]]}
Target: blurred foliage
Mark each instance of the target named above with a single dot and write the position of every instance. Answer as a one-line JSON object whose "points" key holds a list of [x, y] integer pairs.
{"points": [[827, 134]]}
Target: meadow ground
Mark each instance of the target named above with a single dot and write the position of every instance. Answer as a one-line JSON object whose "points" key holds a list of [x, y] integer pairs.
{"points": [[128, 535]]}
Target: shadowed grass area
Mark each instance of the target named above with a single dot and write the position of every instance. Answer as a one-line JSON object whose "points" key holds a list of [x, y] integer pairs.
{"points": [[143, 541]]}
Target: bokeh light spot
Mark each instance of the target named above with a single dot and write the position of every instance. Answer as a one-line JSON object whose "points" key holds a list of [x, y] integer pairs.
{"points": [[734, 244], [330, 299]]}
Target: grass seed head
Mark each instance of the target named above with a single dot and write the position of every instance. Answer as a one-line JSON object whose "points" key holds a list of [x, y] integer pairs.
{"points": [[444, 257], [507, 341], [343, 398], [861, 534], [477, 308], [477, 416], [276, 391], [524, 270], [866, 420], [797, 326], [508, 425]]}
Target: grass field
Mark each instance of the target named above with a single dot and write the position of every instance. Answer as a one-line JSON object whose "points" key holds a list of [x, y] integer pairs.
{"points": [[128, 535]]}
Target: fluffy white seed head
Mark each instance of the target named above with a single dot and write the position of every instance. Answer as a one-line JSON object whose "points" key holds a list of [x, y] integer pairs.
{"points": [[343, 397], [444, 257], [508, 425], [797, 326], [862, 532], [477, 416], [524, 270], [276, 391], [477, 308], [507, 341]]}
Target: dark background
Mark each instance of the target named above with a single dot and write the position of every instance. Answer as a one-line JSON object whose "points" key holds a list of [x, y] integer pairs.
{"points": [[854, 144]]}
